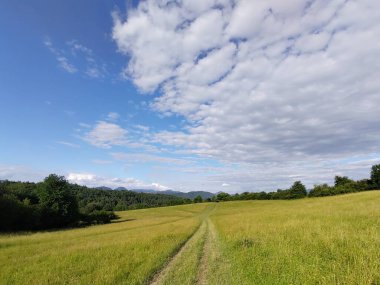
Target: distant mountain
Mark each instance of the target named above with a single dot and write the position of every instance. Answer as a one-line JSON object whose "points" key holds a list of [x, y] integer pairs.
{"points": [[120, 188], [103, 188], [145, 191], [189, 195]]}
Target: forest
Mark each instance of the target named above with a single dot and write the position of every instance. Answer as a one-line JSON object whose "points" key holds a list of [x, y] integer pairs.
{"points": [[55, 203]]}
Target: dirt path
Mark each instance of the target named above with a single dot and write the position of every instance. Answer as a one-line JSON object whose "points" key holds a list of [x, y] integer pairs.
{"points": [[203, 268], [204, 239], [161, 276]]}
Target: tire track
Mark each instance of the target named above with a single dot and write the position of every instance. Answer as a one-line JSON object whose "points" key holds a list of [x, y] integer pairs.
{"points": [[210, 254], [199, 243], [194, 247], [160, 277]]}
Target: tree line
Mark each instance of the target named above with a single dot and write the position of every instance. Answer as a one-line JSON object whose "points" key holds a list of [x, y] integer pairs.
{"points": [[55, 203], [342, 185]]}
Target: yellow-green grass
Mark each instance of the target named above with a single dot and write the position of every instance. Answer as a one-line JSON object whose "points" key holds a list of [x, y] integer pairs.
{"points": [[184, 267], [126, 252], [333, 240]]}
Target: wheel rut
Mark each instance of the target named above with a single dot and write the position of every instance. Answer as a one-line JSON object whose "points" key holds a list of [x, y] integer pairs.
{"points": [[198, 248]]}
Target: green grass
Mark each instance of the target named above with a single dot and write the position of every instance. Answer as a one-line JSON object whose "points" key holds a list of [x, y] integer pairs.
{"points": [[127, 252], [332, 240]]}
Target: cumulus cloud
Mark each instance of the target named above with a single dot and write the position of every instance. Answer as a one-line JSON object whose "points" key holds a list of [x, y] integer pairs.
{"points": [[93, 180], [105, 135], [260, 81]]}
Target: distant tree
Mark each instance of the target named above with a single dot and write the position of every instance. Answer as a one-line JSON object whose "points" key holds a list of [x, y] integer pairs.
{"points": [[58, 204], [298, 190], [198, 199], [375, 176], [342, 180], [222, 196], [321, 190]]}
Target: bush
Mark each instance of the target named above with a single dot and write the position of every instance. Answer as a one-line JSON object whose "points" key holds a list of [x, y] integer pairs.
{"points": [[15, 215], [100, 217], [375, 176], [321, 190], [59, 207]]}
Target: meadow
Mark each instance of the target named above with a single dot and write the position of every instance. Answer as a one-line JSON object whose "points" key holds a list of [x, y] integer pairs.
{"points": [[330, 240]]}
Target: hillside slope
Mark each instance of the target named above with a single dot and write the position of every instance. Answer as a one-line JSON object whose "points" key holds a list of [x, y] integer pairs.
{"points": [[332, 240]]}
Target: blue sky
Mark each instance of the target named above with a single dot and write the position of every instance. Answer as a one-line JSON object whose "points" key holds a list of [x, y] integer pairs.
{"points": [[189, 95]]}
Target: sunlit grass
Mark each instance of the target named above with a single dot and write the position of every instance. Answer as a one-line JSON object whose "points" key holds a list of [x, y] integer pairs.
{"points": [[333, 240], [126, 252]]}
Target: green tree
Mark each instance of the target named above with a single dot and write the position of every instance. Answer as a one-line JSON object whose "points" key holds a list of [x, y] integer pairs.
{"points": [[222, 196], [198, 199], [58, 204], [298, 190], [342, 180], [375, 176]]}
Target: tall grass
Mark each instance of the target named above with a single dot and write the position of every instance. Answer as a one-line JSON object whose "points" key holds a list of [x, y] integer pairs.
{"points": [[126, 252], [333, 240]]}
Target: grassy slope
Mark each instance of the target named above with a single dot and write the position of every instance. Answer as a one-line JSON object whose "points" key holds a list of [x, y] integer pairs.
{"points": [[121, 253], [334, 240]]}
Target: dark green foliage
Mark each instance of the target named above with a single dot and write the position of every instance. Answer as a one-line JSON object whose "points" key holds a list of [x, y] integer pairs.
{"points": [[298, 190], [375, 176], [342, 180], [99, 217], [16, 215], [59, 207], [222, 196], [321, 190], [55, 203], [342, 186], [121, 200], [198, 199]]}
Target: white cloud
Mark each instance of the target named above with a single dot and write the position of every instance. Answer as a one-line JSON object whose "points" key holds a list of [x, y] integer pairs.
{"points": [[63, 60], [105, 135], [69, 144], [148, 158], [83, 57], [282, 82], [21, 173], [113, 116], [101, 161], [66, 65], [93, 180]]}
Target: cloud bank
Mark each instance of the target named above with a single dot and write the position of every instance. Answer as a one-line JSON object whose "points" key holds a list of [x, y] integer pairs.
{"points": [[260, 82], [93, 180]]}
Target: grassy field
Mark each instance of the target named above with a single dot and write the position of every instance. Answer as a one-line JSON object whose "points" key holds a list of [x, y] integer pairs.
{"points": [[334, 240]]}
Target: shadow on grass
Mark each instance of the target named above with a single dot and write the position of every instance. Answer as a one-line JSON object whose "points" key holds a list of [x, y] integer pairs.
{"points": [[122, 221], [79, 225]]}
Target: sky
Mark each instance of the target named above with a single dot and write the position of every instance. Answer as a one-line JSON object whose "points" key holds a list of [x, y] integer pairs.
{"points": [[192, 95]]}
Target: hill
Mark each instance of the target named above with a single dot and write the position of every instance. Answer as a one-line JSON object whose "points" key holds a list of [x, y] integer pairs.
{"points": [[334, 239]]}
